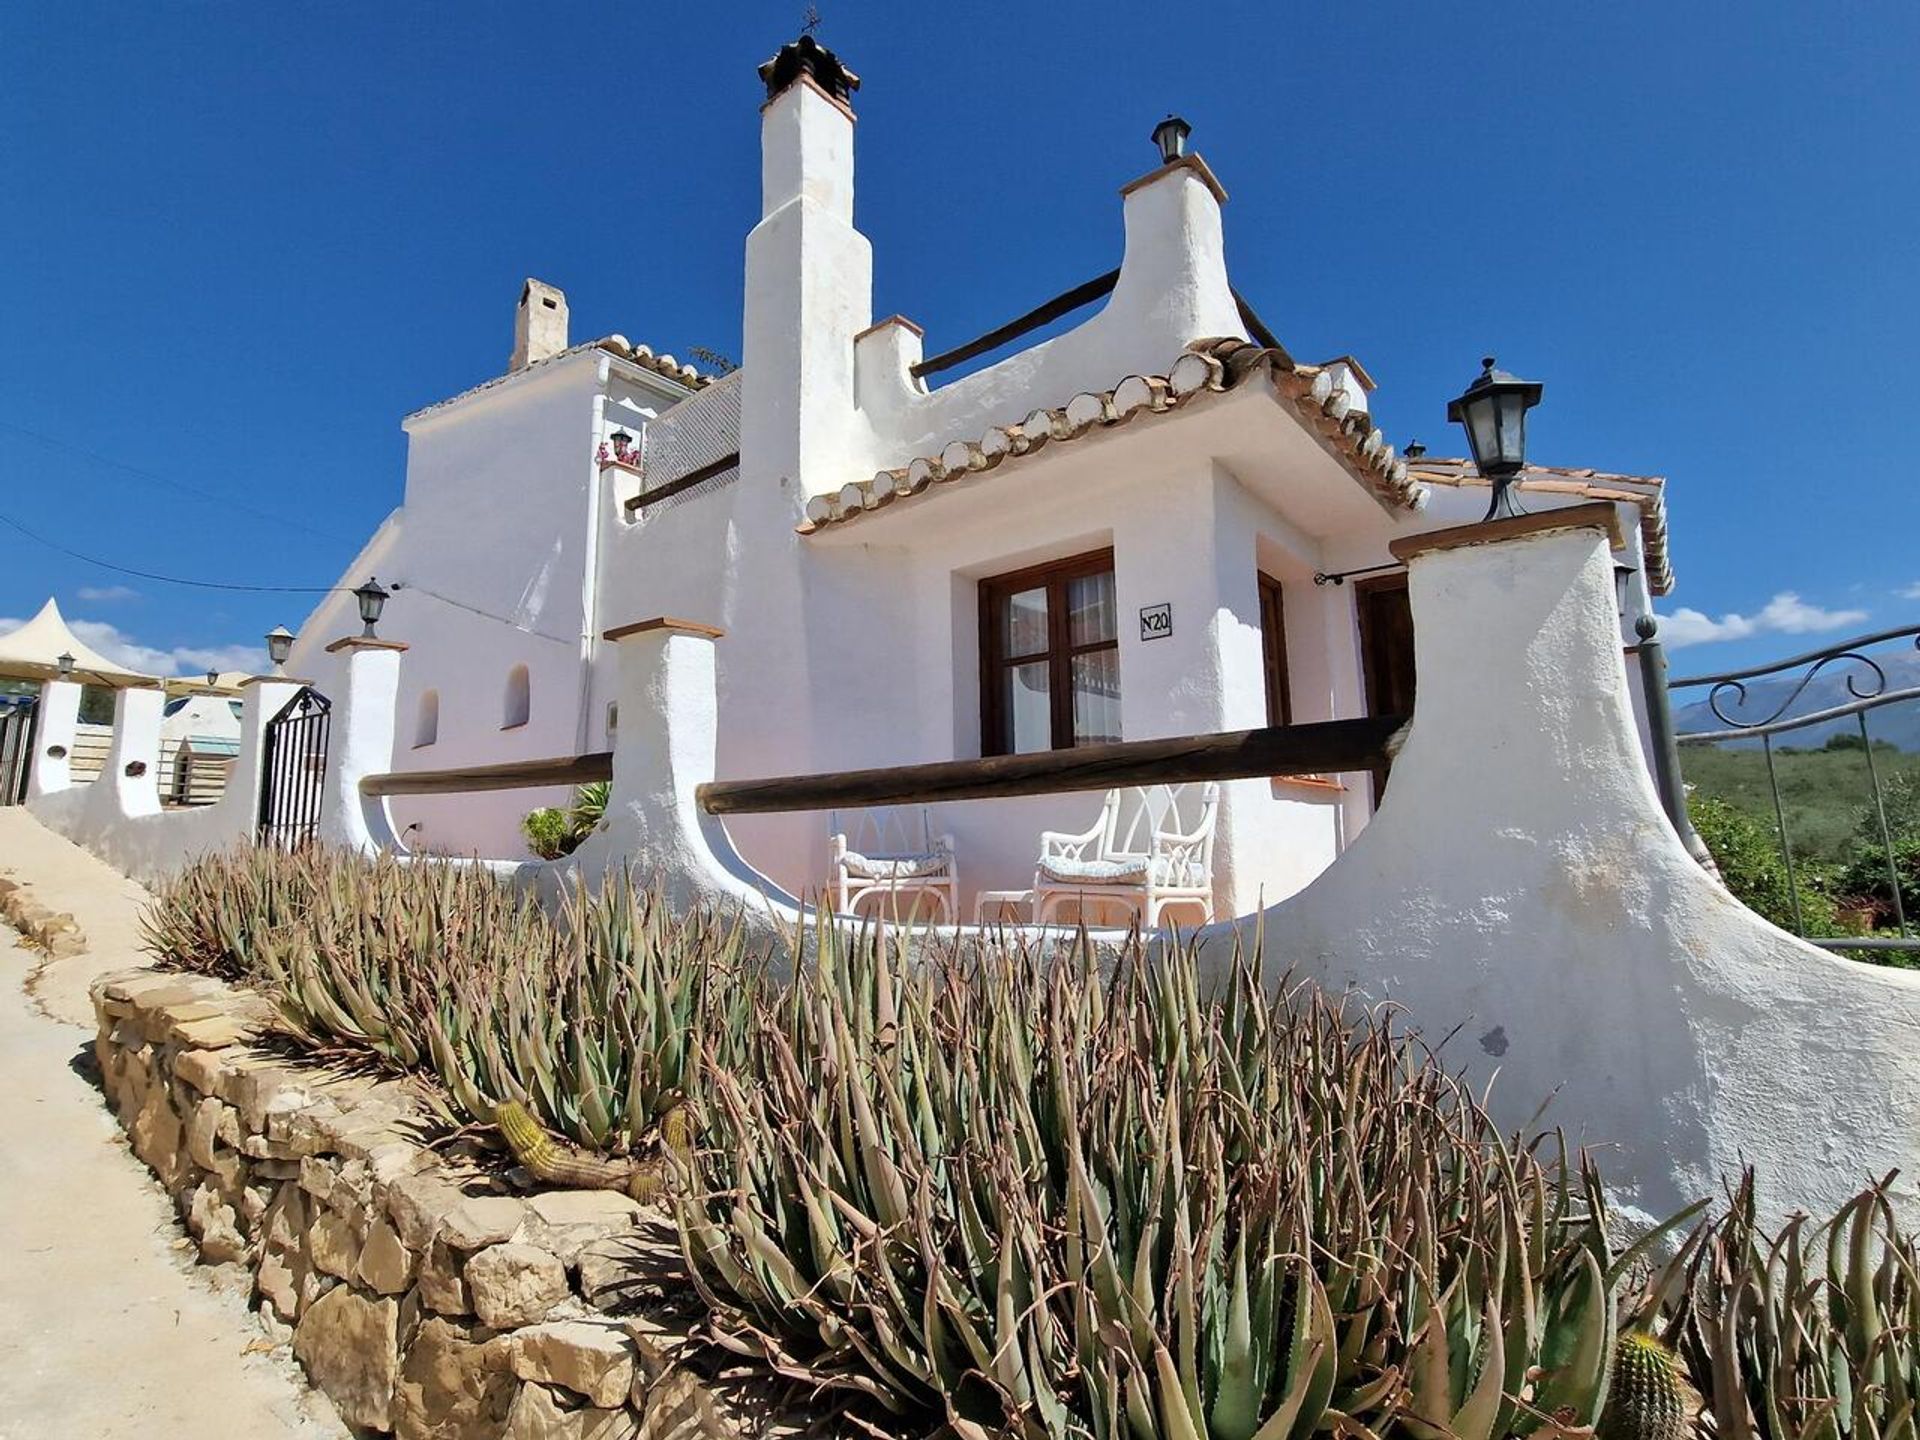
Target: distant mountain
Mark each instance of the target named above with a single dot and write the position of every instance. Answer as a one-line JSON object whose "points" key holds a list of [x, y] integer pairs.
{"points": [[1897, 724]]}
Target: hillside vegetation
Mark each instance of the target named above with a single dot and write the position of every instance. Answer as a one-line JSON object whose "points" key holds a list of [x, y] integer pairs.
{"points": [[1822, 791], [1839, 855]]}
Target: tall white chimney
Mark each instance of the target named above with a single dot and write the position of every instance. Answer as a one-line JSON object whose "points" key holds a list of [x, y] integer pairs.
{"points": [[809, 278]]}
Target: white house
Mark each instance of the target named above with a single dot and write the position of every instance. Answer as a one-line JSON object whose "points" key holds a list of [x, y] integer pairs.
{"points": [[1121, 532]]}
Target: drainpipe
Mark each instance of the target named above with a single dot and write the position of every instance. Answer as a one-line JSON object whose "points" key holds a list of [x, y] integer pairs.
{"points": [[1664, 743], [590, 568]]}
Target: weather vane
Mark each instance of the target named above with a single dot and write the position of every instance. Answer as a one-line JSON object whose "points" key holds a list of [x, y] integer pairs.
{"points": [[811, 21]]}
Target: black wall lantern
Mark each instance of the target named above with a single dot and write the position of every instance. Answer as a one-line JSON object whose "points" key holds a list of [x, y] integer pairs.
{"points": [[65, 662], [372, 600], [1493, 411], [1171, 136], [279, 647]]}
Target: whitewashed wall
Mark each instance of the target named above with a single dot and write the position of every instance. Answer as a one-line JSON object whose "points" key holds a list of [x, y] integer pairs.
{"points": [[859, 647], [118, 816], [1520, 885]]}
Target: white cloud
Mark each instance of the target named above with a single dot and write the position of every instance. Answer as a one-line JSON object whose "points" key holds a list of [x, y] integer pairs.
{"points": [[123, 649], [1785, 614], [1910, 592], [102, 594]]}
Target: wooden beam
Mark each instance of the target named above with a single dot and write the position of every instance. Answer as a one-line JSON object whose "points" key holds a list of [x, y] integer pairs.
{"points": [[518, 775], [1060, 305], [685, 482], [1256, 328], [1329, 747], [1597, 514], [664, 622]]}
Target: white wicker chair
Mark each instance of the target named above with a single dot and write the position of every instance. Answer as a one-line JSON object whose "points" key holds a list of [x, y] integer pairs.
{"points": [[891, 851], [1141, 850]]}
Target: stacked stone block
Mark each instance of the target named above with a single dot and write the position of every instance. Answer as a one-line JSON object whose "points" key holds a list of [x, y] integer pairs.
{"points": [[425, 1298]]}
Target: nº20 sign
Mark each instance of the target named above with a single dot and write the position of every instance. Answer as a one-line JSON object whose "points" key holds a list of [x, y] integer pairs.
{"points": [[1156, 622]]}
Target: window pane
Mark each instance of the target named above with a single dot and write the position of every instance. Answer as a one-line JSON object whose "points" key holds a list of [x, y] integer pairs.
{"points": [[1029, 708], [1026, 632], [1096, 697], [1091, 616]]}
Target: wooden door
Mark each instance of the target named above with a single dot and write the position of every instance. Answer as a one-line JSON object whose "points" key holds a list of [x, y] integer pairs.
{"points": [[1386, 652]]}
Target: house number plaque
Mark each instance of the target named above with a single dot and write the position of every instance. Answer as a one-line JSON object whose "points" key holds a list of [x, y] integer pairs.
{"points": [[1156, 622]]}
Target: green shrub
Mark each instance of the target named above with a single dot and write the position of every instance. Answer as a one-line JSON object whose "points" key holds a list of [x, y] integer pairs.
{"points": [[549, 836], [552, 832], [1024, 1194], [1748, 854], [1866, 880]]}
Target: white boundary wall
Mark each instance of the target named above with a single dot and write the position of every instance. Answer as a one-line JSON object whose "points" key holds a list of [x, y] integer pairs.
{"points": [[118, 815], [1521, 884]]}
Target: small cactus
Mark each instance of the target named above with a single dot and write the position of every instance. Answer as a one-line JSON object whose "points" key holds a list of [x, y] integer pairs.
{"points": [[676, 1131], [556, 1164], [1647, 1400], [544, 1158]]}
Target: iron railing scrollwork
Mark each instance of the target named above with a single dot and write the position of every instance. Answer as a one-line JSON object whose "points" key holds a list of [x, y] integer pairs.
{"points": [[1868, 688]]}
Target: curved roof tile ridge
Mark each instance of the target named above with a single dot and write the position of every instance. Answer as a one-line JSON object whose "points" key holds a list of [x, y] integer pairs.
{"points": [[1207, 366]]}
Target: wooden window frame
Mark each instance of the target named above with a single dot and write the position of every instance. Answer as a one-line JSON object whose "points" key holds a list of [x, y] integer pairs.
{"points": [[1279, 678], [1373, 659], [996, 731], [1273, 650]]}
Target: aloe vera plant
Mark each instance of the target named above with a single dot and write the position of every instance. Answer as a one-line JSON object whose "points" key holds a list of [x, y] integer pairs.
{"points": [[1810, 1333], [590, 1018], [212, 917], [1033, 1198]]}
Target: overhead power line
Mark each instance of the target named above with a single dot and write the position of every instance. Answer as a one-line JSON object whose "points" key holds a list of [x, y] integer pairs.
{"points": [[397, 585], [95, 560], [211, 496]]}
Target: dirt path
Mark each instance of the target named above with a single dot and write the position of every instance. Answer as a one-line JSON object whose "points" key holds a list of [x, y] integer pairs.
{"points": [[106, 1327]]}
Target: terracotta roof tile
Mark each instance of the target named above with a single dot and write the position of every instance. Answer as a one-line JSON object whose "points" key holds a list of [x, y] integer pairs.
{"points": [[641, 355], [1204, 368]]}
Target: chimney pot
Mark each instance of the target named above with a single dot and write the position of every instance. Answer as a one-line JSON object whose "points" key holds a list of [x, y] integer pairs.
{"points": [[807, 56]]}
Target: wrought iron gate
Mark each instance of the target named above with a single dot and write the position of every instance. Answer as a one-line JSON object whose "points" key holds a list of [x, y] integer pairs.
{"points": [[294, 762], [16, 748]]}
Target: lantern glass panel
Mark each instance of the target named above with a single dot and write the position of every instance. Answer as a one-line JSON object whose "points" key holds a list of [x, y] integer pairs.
{"points": [[1483, 431], [1510, 406]]}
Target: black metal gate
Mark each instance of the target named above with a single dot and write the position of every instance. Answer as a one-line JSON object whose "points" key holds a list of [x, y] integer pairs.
{"points": [[294, 762], [16, 748]]}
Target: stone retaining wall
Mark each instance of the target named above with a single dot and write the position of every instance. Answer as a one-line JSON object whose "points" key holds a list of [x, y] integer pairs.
{"points": [[422, 1294], [53, 933]]}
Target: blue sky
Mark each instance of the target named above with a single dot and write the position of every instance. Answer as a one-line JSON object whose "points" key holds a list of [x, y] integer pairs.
{"points": [[239, 242]]}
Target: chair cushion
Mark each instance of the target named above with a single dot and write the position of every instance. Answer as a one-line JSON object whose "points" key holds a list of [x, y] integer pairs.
{"points": [[897, 867], [1131, 871]]}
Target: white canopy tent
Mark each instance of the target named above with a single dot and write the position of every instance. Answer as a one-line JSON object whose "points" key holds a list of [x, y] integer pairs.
{"points": [[33, 653]]}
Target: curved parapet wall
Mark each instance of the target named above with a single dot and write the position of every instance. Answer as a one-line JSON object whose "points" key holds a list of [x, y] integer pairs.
{"points": [[1521, 890], [118, 816]]}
